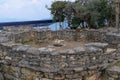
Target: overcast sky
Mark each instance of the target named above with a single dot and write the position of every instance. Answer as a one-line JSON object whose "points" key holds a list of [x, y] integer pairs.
{"points": [[22, 10]]}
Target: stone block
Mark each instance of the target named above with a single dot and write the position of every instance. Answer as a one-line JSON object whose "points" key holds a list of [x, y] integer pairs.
{"points": [[113, 38], [110, 50], [21, 48], [1, 76], [102, 46]]}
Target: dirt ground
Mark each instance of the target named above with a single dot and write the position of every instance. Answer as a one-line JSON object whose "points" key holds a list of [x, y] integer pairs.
{"points": [[65, 44]]}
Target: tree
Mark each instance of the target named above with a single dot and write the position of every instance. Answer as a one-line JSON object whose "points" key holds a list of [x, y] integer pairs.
{"points": [[69, 13], [117, 4], [79, 13], [96, 13], [99, 12], [58, 12]]}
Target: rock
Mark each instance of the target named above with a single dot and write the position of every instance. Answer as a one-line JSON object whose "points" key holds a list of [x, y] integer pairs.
{"points": [[80, 49], [68, 51], [113, 38], [92, 49], [29, 78], [3, 39], [96, 44], [110, 50], [43, 50], [115, 68], [54, 53], [50, 49], [36, 79], [1, 76], [63, 64], [58, 43], [94, 58], [21, 48], [24, 56], [44, 79], [33, 50], [78, 69], [94, 77], [27, 72], [25, 62], [21, 28], [8, 58], [9, 76], [102, 46], [113, 72], [11, 44]]}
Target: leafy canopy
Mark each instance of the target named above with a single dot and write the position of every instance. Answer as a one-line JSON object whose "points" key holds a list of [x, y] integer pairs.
{"points": [[96, 13]]}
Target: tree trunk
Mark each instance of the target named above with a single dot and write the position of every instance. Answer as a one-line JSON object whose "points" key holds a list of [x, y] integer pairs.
{"points": [[117, 15], [60, 26]]}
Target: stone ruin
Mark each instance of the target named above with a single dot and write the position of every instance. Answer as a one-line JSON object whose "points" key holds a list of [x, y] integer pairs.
{"points": [[96, 59]]}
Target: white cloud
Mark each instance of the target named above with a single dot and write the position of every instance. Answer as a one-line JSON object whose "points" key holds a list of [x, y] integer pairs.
{"points": [[35, 1], [25, 9]]}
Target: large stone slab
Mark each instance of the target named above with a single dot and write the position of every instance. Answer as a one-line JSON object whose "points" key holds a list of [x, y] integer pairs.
{"points": [[113, 38], [102, 46], [3, 39], [1, 76], [97, 44], [114, 69]]}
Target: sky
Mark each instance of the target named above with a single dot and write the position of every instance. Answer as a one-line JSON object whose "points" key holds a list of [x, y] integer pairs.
{"points": [[24, 10]]}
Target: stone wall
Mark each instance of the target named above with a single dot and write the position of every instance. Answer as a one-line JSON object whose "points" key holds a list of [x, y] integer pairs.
{"points": [[71, 35], [21, 62]]}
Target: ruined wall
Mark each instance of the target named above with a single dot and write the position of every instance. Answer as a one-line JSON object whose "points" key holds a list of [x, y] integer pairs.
{"points": [[20, 62], [23, 62], [84, 35]]}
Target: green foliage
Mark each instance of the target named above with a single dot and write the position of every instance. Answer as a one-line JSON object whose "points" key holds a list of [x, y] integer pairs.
{"points": [[99, 10], [69, 13], [93, 12], [75, 22], [57, 10]]}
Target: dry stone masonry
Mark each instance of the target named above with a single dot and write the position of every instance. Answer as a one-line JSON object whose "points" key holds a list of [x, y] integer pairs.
{"points": [[25, 62]]}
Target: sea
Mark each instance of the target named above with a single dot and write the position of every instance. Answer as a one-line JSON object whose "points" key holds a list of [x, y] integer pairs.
{"points": [[42, 24]]}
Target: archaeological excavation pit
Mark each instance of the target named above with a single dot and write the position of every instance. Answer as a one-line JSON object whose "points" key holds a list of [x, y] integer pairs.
{"points": [[59, 40], [53, 55]]}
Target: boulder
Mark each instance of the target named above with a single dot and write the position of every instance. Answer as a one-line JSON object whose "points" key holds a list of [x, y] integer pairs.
{"points": [[58, 43], [113, 38], [114, 69], [102, 46], [1, 76], [110, 50]]}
